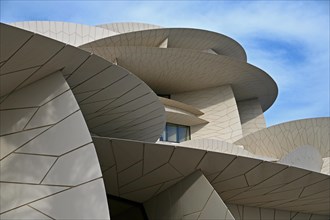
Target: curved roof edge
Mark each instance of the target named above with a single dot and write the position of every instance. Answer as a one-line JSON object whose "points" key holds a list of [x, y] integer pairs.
{"points": [[238, 179], [132, 111], [66, 32], [188, 38], [278, 140], [125, 27], [243, 52], [81, 34], [180, 105], [203, 70], [177, 117]]}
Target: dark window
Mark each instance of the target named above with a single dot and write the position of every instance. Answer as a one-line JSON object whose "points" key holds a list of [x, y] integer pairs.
{"points": [[168, 96], [121, 208], [175, 133]]}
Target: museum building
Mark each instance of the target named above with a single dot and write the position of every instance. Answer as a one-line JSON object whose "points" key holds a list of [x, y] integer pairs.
{"points": [[137, 121]]}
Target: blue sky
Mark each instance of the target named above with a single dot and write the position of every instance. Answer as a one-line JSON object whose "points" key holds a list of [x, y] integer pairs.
{"points": [[287, 39]]}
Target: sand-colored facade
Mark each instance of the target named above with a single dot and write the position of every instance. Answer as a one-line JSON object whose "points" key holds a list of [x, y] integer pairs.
{"points": [[137, 121]]}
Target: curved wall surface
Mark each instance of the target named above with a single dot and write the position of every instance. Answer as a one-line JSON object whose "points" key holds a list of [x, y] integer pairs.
{"points": [[172, 63], [114, 101], [168, 70], [251, 116], [49, 167], [220, 110], [187, 38], [217, 146], [306, 157], [279, 140], [70, 33], [53, 95], [140, 172], [141, 48]]}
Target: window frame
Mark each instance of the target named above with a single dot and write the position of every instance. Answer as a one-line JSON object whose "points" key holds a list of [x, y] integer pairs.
{"points": [[177, 126]]}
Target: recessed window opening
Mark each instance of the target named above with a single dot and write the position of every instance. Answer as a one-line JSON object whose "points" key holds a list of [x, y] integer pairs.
{"points": [[175, 133], [168, 96]]}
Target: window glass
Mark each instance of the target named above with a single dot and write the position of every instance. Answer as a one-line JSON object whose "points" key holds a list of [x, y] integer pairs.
{"points": [[163, 136], [171, 133], [175, 133], [183, 133]]}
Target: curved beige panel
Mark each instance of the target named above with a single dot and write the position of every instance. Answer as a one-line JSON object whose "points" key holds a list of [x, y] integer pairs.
{"points": [[306, 157], [326, 166], [256, 213], [30, 62], [278, 140], [44, 164], [201, 40], [220, 108], [11, 40], [114, 102], [69, 205], [201, 70], [219, 146], [25, 212], [125, 27], [193, 197], [53, 96], [180, 118], [179, 105], [251, 115], [70, 33], [139, 171], [180, 113], [15, 195]]}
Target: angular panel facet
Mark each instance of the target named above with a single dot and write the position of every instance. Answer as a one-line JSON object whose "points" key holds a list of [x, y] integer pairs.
{"points": [[24, 212], [14, 195], [54, 111], [87, 201], [25, 168], [74, 168], [194, 194], [9, 143], [67, 135]]}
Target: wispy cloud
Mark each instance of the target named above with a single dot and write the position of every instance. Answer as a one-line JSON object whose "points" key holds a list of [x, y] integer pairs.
{"points": [[288, 39]]}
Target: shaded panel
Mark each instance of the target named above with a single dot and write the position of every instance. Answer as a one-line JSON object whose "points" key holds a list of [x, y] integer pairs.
{"points": [[251, 115], [191, 195], [87, 201]]}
